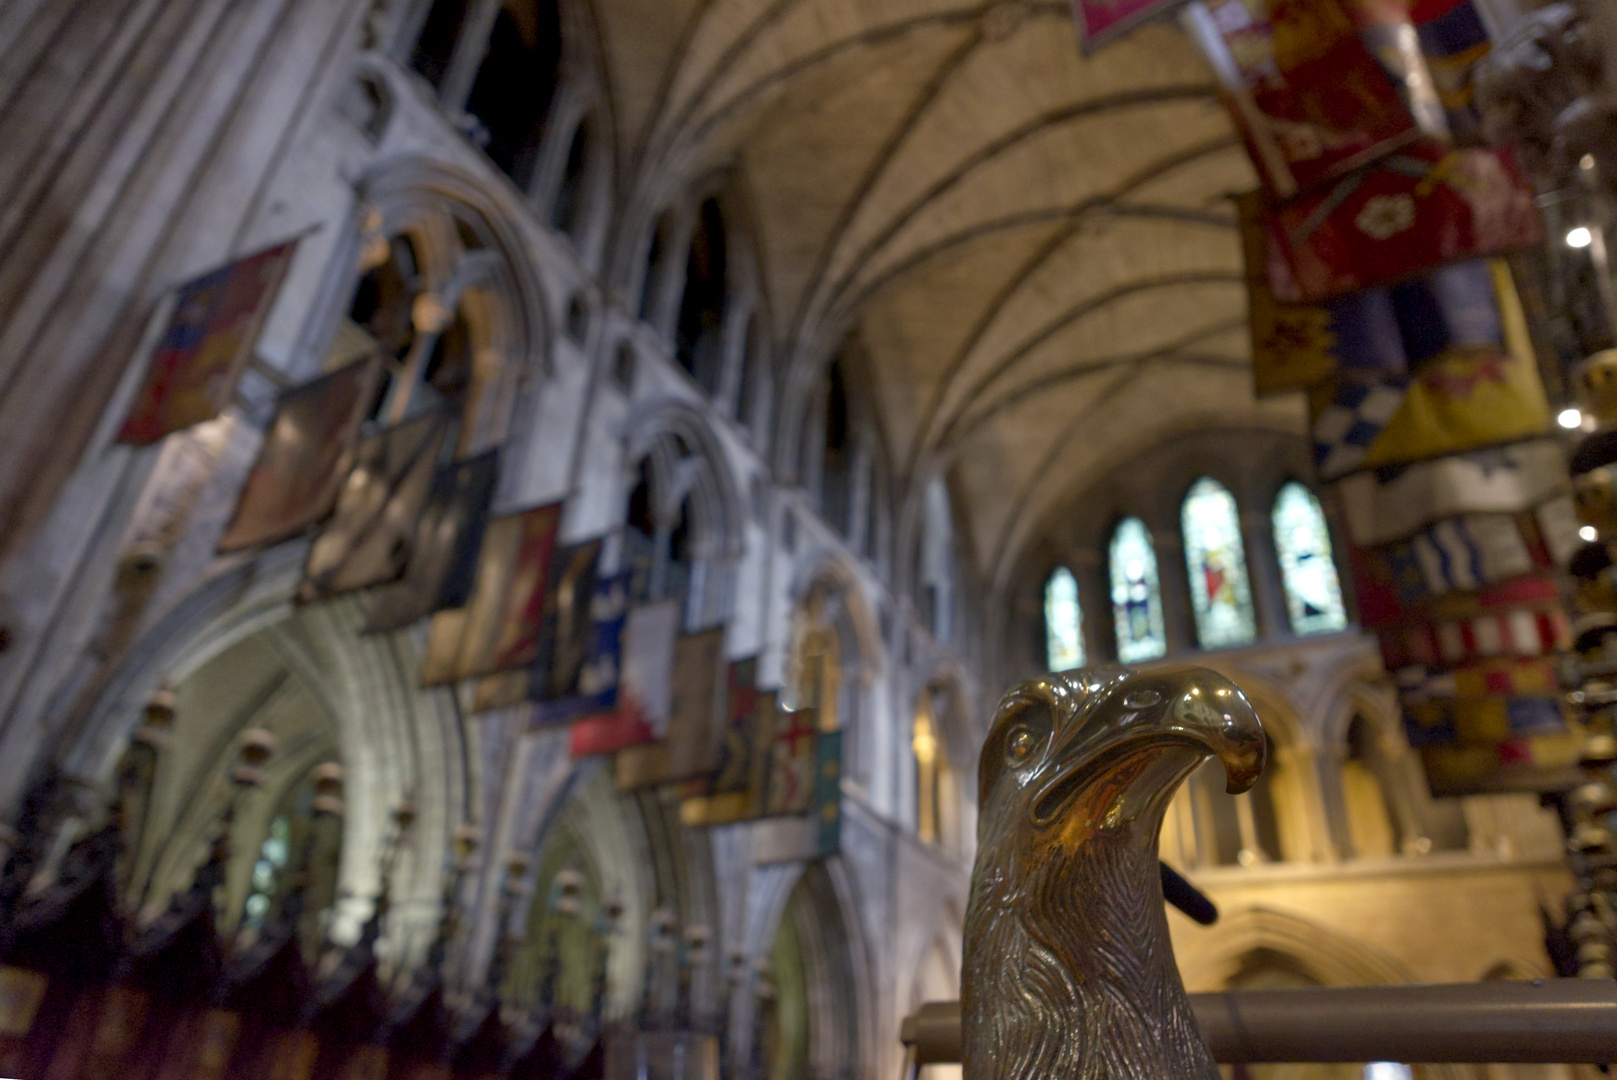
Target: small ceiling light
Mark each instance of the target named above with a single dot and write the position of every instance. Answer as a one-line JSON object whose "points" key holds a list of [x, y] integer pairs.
{"points": [[1588, 533], [1587, 163], [1580, 237], [1570, 419]]}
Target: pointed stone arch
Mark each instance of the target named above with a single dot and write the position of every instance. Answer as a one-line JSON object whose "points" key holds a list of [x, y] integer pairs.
{"points": [[396, 739], [1327, 957]]}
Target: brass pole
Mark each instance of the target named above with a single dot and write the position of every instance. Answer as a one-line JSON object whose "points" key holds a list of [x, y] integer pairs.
{"points": [[1546, 1021]]}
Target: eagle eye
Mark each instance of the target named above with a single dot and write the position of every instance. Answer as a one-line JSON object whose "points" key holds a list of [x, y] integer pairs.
{"points": [[1142, 699], [1020, 745]]}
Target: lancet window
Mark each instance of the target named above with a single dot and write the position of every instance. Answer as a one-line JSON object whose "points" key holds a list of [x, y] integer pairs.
{"points": [[699, 334], [507, 95], [1303, 543], [567, 209], [656, 543], [1220, 594], [1136, 593], [936, 786], [431, 328], [1063, 621]]}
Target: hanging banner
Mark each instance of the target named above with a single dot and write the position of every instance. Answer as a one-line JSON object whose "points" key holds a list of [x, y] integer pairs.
{"points": [[1474, 379], [827, 809], [565, 631], [368, 539], [1453, 38], [1100, 22], [733, 792], [643, 700], [1394, 503], [567, 621], [1318, 87], [1534, 763], [499, 627], [443, 549], [1404, 214], [789, 790], [690, 749], [1296, 346], [593, 688], [1479, 550], [207, 344], [307, 451]]}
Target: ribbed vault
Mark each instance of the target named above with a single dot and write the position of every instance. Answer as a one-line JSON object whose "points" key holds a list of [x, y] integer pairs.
{"points": [[1036, 247]]}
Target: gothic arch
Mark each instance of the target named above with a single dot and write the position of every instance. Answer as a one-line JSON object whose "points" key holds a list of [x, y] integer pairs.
{"points": [[471, 245], [818, 901], [717, 499], [826, 574], [396, 740], [1328, 957]]}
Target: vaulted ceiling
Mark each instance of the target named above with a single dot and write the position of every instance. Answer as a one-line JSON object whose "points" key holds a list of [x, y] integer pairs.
{"points": [[1036, 248]]}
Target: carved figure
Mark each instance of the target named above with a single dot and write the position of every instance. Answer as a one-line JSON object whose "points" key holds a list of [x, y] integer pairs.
{"points": [[1068, 969]]}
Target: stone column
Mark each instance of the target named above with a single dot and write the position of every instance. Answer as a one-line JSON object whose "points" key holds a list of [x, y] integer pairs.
{"points": [[1095, 600], [1263, 573], [1178, 616], [128, 134]]}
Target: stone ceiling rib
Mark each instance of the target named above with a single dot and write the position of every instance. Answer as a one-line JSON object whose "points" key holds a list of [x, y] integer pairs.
{"points": [[1108, 410], [1078, 311], [1084, 110], [995, 408], [1024, 235], [1062, 214]]}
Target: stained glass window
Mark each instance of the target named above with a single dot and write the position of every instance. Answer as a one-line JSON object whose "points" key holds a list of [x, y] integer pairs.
{"points": [[1313, 594], [1219, 593], [1136, 596], [1063, 621]]}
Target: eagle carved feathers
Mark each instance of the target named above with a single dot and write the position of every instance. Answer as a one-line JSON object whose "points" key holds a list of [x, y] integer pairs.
{"points": [[1068, 969]]}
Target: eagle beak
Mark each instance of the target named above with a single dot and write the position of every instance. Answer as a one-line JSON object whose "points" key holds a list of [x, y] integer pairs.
{"points": [[1213, 708], [1146, 717]]}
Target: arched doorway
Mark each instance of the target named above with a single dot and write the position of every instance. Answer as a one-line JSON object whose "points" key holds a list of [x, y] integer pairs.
{"points": [[810, 1030]]}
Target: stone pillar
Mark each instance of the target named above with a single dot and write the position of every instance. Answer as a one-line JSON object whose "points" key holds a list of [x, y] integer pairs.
{"points": [[1328, 773], [1178, 616], [1263, 573], [127, 136], [1301, 763], [1095, 600]]}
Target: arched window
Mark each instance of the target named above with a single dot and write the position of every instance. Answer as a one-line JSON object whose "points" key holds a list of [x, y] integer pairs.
{"points": [[656, 550], [750, 398], [269, 871], [935, 561], [936, 793], [567, 211], [435, 45], [1219, 593], [1313, 594], [656, 268], [1063, 622], [1372, 830], [699, 336], [838, 453], [515, 82], [1136, 594]]}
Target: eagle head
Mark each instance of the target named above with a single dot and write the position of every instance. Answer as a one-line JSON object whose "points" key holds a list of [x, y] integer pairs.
{"points": [[1068, 968]]}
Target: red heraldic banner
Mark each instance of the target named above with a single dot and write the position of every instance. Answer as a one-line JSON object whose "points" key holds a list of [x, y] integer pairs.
{"points": [[208, 341], [1101, 21], [1318, 87]]}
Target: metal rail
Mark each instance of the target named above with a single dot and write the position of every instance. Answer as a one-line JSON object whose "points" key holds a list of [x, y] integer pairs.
{"points": [[1546, 1021]]}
